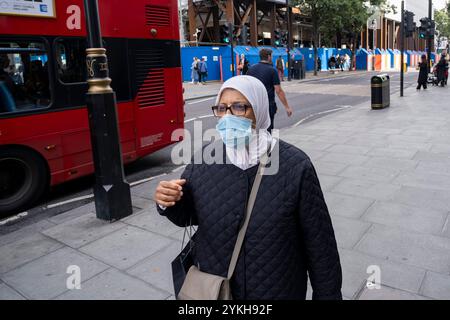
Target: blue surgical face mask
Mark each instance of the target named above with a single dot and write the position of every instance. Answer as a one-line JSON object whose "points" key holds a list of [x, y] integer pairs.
{"points": [[235, 131]]}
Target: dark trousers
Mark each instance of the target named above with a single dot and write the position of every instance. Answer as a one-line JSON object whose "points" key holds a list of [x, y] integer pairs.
{"points": [[424, 85], [272, 113]]}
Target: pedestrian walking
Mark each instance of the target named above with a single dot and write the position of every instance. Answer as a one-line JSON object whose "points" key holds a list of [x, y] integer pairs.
{"points": [[203, 71], [280, 68], [332, 63], [265, 72], [286, 239], [423, 73], [447, 59], [442, 70], [243, 65], [194, 71]]}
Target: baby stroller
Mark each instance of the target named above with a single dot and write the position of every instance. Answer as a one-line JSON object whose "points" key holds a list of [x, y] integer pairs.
{"points": [[433, 78]]}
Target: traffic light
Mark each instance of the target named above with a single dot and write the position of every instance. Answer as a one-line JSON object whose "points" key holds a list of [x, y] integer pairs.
{"points": [[423, 28], [245, 35], [410, 25], [227, 36], [432, 30], [284, 38], [427, 28], [277, 37]]}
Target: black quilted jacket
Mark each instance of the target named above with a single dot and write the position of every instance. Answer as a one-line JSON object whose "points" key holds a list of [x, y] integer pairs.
{"points": [[290, 234]]}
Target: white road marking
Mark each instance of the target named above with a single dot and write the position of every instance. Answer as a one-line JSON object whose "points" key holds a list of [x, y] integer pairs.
{"points": [[147, 179], [207, 116], [200, 101], [13, 218], [54, 205], [178, 169], [190, 120], [318, 114]]}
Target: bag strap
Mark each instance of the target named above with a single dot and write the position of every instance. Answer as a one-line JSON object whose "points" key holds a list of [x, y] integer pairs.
{"points": [[250, 205]]}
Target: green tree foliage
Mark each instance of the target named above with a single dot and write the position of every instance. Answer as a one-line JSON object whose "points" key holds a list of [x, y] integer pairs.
{"points": [[442, 18]]}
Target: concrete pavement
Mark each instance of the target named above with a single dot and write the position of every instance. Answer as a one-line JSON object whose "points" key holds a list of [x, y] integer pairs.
{"points": [[385, 176]]}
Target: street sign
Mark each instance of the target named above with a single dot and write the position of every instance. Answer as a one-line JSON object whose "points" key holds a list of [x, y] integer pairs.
{"points": [[372, 24], [42, 8]]}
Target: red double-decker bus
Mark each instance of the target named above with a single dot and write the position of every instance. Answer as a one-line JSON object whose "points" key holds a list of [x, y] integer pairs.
{"points": [[44, 130]]}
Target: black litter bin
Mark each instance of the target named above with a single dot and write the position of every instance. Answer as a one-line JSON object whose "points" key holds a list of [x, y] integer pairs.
{"points": [[302, 69], [381, 91], [296, 70]]}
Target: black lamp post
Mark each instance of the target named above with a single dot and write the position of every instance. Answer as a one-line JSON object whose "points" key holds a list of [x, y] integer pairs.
{"points": [[112, 192], [430, 37], [289, 35]]}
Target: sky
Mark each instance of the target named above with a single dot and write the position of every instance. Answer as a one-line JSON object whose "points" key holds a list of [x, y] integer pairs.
{"points": [[439, 4], [419, 7]]}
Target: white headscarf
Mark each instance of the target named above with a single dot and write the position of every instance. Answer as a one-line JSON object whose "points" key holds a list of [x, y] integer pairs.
{"points": [[256, 93]]}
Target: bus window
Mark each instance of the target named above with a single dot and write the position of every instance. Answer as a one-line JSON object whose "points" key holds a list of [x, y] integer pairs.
{"points": [[24, 78], [71, 60]]}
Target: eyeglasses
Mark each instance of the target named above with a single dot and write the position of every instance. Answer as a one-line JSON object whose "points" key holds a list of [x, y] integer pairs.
{"points": [[237, 109]]}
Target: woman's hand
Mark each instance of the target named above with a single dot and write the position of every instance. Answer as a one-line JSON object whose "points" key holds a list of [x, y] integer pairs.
{"points": [[168, 193]]}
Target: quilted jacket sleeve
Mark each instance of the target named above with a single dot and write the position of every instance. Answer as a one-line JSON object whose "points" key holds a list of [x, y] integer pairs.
{"points": [[183, 213], [322, 256]]}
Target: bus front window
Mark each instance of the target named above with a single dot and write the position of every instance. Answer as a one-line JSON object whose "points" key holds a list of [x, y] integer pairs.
{"points": [[24, 79]]}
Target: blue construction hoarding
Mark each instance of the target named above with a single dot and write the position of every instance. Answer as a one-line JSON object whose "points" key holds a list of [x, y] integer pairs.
{"points": [[218, 58]]}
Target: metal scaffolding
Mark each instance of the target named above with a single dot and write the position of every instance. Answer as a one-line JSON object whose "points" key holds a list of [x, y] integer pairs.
{"points": [[207, 17]]}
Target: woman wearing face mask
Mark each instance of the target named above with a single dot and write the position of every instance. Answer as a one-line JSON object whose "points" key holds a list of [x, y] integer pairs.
{"points": [[289, 235]]}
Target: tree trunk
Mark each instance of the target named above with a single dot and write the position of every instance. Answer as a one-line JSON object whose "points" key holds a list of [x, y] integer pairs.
{"points": [[338, 40]]}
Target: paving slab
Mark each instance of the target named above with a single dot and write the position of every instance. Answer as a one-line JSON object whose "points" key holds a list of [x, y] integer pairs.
{"points": [[329, 168], [157, 269], [393, 153], [366, 189], [46, 277], [347, 206], [82, 230], [25, 250], [370, 173], [387, 293], [407, 217], [397, 275], [436, 286], [151, 220], [6, 293], [423, 198], [113, 284], [344, 158], [126, 247], [416, 249], [348, 231], [25, 231], [74, 213], [424, 180], [391, 163]]}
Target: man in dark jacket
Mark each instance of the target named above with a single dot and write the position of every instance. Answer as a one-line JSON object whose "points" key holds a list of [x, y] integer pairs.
{"points": [[266, 73], [442, 68], [423, 73]]}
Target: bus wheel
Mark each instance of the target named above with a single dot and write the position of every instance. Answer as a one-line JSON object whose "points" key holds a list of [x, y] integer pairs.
{"points": [[23, 179]]}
